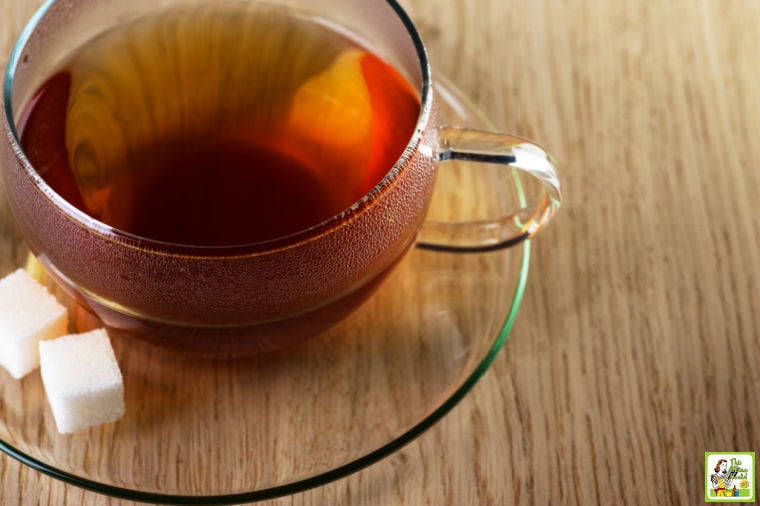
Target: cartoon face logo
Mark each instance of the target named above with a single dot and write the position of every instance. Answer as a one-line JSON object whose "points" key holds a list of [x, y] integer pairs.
{"points": [[722, 468]]}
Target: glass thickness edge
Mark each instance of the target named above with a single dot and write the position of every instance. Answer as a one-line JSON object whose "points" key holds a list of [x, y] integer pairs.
{"points": [[13, 61]]}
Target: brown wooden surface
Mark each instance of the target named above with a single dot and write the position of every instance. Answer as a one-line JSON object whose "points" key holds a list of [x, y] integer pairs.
{"points": [[636, 349]]}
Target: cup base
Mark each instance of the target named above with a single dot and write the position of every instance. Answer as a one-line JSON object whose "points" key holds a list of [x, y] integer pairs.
{"points": [[221, 343]]}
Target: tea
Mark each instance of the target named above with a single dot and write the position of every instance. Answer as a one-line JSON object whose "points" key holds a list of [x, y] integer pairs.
{"points": [[218, 125]]}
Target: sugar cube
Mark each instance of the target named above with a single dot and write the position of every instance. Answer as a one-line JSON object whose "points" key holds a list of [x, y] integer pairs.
{"points": [[82, 380], [28, 314]]}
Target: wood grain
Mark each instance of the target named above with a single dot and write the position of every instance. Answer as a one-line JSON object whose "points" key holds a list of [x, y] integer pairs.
{"points": [[636, 348]]}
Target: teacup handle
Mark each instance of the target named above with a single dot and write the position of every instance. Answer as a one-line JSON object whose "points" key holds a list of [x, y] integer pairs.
{"points": [[502, 231]]}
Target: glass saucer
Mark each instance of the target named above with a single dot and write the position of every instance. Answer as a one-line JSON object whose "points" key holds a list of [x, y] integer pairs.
{"points": [[237, 431]]}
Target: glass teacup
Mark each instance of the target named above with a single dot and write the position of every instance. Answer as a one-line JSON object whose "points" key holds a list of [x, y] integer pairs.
{"points": [[242, 299]]}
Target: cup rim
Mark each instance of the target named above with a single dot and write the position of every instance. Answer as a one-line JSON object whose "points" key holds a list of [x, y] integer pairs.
{"points": [[108, 232]]}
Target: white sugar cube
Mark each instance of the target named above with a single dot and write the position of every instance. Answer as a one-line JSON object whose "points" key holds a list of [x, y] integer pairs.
{"points": [[82, 380], [28, 314]]}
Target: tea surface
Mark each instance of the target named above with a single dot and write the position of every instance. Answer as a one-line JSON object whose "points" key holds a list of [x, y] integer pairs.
{"points": [[218, 126]]}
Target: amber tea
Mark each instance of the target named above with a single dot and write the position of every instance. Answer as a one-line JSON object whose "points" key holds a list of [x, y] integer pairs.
{"points": [[218, 125]]}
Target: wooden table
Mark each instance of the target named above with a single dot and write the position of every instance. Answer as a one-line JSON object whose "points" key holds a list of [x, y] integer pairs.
{"points": [[637, 347]]}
